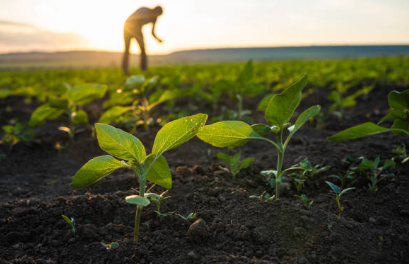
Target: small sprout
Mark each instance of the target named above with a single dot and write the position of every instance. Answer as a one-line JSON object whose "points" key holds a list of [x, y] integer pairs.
{"points": [[338, 193], [157, 198], [303, 171], [235, 164], [263, 198], [400, 153], [164, 214], [189, 217], [113, 245], [375, 175], [16, 132], [307, 202], [351, 171], [71, 222]]}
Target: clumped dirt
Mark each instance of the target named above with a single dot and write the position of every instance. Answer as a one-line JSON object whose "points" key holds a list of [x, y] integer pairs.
{"points": [[230, 227]]}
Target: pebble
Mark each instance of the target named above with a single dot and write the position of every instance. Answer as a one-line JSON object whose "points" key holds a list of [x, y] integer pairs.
{"points": [[198, 231]]}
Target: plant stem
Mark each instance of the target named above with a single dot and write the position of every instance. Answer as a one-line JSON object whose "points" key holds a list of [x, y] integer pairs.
{"points": [[240, 105], [279, 162], [145, 104], [139, 208]]}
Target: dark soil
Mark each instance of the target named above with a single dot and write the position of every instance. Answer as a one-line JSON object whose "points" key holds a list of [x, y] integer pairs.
{"points": [[230, 227]]}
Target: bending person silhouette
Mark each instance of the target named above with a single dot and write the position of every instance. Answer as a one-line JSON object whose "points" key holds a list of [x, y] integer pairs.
{"points": [[133, 29]]}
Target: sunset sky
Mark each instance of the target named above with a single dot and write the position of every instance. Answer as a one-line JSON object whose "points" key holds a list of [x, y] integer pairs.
{"points": [[51, 25]]}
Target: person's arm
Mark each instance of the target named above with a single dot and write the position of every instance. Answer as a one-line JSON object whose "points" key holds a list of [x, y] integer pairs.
{"points": [[153, 32]]}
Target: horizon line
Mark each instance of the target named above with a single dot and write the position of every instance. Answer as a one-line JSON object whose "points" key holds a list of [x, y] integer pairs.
{"points": [[204, 48]]}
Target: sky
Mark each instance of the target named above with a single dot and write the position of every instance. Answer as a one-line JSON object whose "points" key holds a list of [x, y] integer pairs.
{"points": [[55, 25]]}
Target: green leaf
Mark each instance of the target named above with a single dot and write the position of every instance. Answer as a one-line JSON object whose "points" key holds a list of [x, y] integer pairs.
{"points": [[304, 117], [223, 85], [246, 162], [253, 89], [5, 93], [393, 115], [334, 187], [119, 143], [235, 158], [177, 132], [80, 117], [224, 157], [400, 125], [55, 102], [388, 163], [359, 131], [247, 74], [170, 95], [113, 114], [347, 190], [261, 129], [66, 219], [262, 106], [282, 106], [134, 82], [227, 134], [44, 113], [138, 200], [159, 172], [94, 170], [398, 100], [86, 93]]}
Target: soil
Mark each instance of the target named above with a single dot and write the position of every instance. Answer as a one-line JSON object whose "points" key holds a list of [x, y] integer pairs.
{"points": [[230, 227]]}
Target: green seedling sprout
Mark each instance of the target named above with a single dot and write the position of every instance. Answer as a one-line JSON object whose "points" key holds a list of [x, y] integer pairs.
{"points": [[304, 170], [190, 217], [400, 153], [130, 150], [70, 103], [71, 222], [351, 171], [235, 164], [399, 112], [278, 113], [307, 202], [376, 175], [263, 198], [110, 246], [338, 193], [143, 95], [158, 198]]}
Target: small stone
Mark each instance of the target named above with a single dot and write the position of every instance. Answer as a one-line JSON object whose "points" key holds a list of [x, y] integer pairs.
{"points": [[192, 255], [198, 231], [372, 220]]}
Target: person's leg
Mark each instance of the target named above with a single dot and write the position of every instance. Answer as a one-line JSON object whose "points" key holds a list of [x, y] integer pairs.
{"points": [[125, 60], [144, 58]]}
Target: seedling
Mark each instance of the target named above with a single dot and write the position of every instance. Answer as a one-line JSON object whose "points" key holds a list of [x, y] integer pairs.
{"points": [[235, 164], [189, 217], [113, 245], [164, 214], [158, 198], [351, 171], [376, 175], [143, 95], [71, 222], [130, 150], [278, 113], [307, 202], [399, 112], [400, 153], [69, 103], [16, 132], [263, 198], [304, 170], [338, 193]]}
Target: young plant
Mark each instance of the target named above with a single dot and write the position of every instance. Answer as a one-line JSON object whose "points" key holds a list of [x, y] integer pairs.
{"points": [[129, 149], [110, 246], [235, 164], [305, 170], [338, 193], [399, 112], [263, 198], [69, 103], [71, 222], [243, 86], [158, 199], [189, 217], [307, 202], [351, 170], [16, 132], [376, 175], [400, 153], [278, 113], [143, 95]]}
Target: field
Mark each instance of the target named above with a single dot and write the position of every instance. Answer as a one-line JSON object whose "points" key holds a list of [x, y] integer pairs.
{"points": [[210, 216]]}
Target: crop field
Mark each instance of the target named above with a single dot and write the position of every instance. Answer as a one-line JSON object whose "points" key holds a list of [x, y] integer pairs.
{"points": [[259, 162]]}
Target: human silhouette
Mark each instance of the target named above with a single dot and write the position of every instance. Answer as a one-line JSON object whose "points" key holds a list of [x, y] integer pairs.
{"points": [[133, 29]]}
